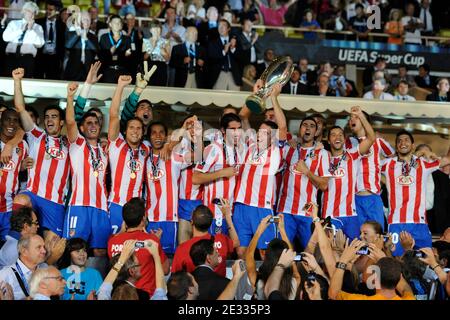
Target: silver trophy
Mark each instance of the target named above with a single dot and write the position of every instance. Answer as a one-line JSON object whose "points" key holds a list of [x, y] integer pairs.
{"points": [[279, 71]]}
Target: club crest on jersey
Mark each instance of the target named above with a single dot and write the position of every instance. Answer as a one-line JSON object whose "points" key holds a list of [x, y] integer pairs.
{"points": [[293, 169], [101, 166], [339, 173], [72, 232], [256, 161], [405, 180], [138, 165], [10, 166], [157, 176], [56, 154]]}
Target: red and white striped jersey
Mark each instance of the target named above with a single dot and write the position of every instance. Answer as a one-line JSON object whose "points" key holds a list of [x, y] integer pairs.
{"points": [[256, 183], [188, 190], [50, 174], [297, 189], [369, 167], [339, 199], [9, 175], [162, 187], [214, 160], [407, 191], [122, 159], [88, 185]]}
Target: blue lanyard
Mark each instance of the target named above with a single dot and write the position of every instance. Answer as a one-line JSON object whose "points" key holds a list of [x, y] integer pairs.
{"points": [[112, 41], [25, 282], [132, 36]]}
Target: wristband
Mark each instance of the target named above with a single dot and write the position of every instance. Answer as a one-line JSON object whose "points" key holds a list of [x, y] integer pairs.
{"points": [[316, 220], [438, 265], [281, 265], [85, 89], [341, 265]]}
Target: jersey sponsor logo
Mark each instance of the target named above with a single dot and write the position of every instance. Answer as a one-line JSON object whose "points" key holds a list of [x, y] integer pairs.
{"points": [[339, 173], [10, 166], [138, 165], [257, 161], [159, 174], [405, 180], [56, 154]]}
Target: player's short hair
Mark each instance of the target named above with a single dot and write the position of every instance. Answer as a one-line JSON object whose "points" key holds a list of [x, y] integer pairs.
{"points": [[144, 101], [335, 127], [20, 217], [88, 115], [390, 272], [8, 111], [200, 250], [227, 118], [404, 133], [156, 123], [271, 124], [135, 119], [62, 114], [308, 118], [202, 218], [178, 285], [133, 212]]}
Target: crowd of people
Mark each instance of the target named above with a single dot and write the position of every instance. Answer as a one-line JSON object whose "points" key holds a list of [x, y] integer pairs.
{"points": [[200, 49], [155, 213]]}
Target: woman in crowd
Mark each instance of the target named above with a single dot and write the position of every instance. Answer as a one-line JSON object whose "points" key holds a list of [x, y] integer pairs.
{"points": [[394, 27]]}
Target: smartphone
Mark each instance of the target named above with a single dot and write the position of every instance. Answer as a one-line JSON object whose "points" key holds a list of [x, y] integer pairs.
{"points": [[216, 201], [274, 219], [419, 254], [298, 258], [139, 244], [310, 277], [363, 251], [242, 265]]}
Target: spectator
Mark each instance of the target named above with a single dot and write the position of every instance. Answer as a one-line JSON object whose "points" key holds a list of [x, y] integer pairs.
{"points": [[134, 219], [310, 24], [202, 219], [24, 38], [142, 8], [115, 49], [182, 286], [394, 27], [31, 256], [412, 26], [45, 283], [427, 18], [307, 76], [358, 23], [402, 92], [96, 24], [249, 12], [124, 288], [369, 73], [196, 13], [23, 223], [273, 15], [402, 75], [208, 30], [82, 48], [424, 79], [21, 200], [377, 91], [223, 66], [188, 60], [248, 42], [206, 258], [322, 88], [124, 7], [248, 78], [442, 94], [389, 277], [82, 282], [295, 86], [269, 56], [50, 57], [157, 52], [351, 7], [338, 83], [337, 23], [135, 34], [272, 287]]}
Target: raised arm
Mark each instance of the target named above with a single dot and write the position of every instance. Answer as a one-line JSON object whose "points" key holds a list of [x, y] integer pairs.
{"points": [[72, 129], [279, 114], [152, 247], [114, 121], [365, 145], [285, 261], [230, 291], [91, 79], [19, 101], [226, 211]]}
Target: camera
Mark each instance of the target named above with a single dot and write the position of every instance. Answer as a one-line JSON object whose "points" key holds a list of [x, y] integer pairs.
{"points": [[310, 277], [363, 251], [242, 265], [216, 201], [139, 244], [299, 257], [419, 254], [274, 219]]}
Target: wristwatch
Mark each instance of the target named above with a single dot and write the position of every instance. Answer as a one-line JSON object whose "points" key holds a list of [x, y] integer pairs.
{"points": [[341, 265]]}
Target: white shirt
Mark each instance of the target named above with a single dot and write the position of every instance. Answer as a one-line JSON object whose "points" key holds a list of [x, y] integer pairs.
{"points": [[50, 47], [248, 36], [404, 98], [383, 96], [32, 40], [180, 30], [293, 87], [8, 252], [7, 275], [193, 12], [429, 19], [39, 296], [15, 12], [412, 37]]}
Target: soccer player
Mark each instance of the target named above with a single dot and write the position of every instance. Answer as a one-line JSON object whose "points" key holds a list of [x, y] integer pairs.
{"points": [[369, 205], [406, 182], [162, 188], [9, 173], [48, 178], [307, 170], [87, 214], [339, 199], [127, 155], [219, 169]]}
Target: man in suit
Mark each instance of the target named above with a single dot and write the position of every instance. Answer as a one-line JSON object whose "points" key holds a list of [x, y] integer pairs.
{"points": [[269, 56], [442, 94], [206, 258], [188, 60], [223, 66], [294, 86], [96, 24], [50, 56], [249, 45], [424, 79], [207, 30], [307, 77]]}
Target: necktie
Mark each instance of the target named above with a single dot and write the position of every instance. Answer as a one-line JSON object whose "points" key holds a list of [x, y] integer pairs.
{"points": [[20, 42], [425, 19], [226, 66], [404, 98], [293, 88], [50, 33], [192, 56]]}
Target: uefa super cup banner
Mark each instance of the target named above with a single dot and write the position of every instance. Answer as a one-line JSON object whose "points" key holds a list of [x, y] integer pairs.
{"points": [[360, 53]]}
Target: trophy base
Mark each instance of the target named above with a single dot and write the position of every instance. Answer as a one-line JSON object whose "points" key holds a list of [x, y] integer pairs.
{"points": [[255, 104]]}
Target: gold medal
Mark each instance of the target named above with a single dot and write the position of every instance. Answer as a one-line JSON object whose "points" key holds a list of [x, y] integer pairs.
{"points": [[96, 174], [133, 175], [1, 173]]}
